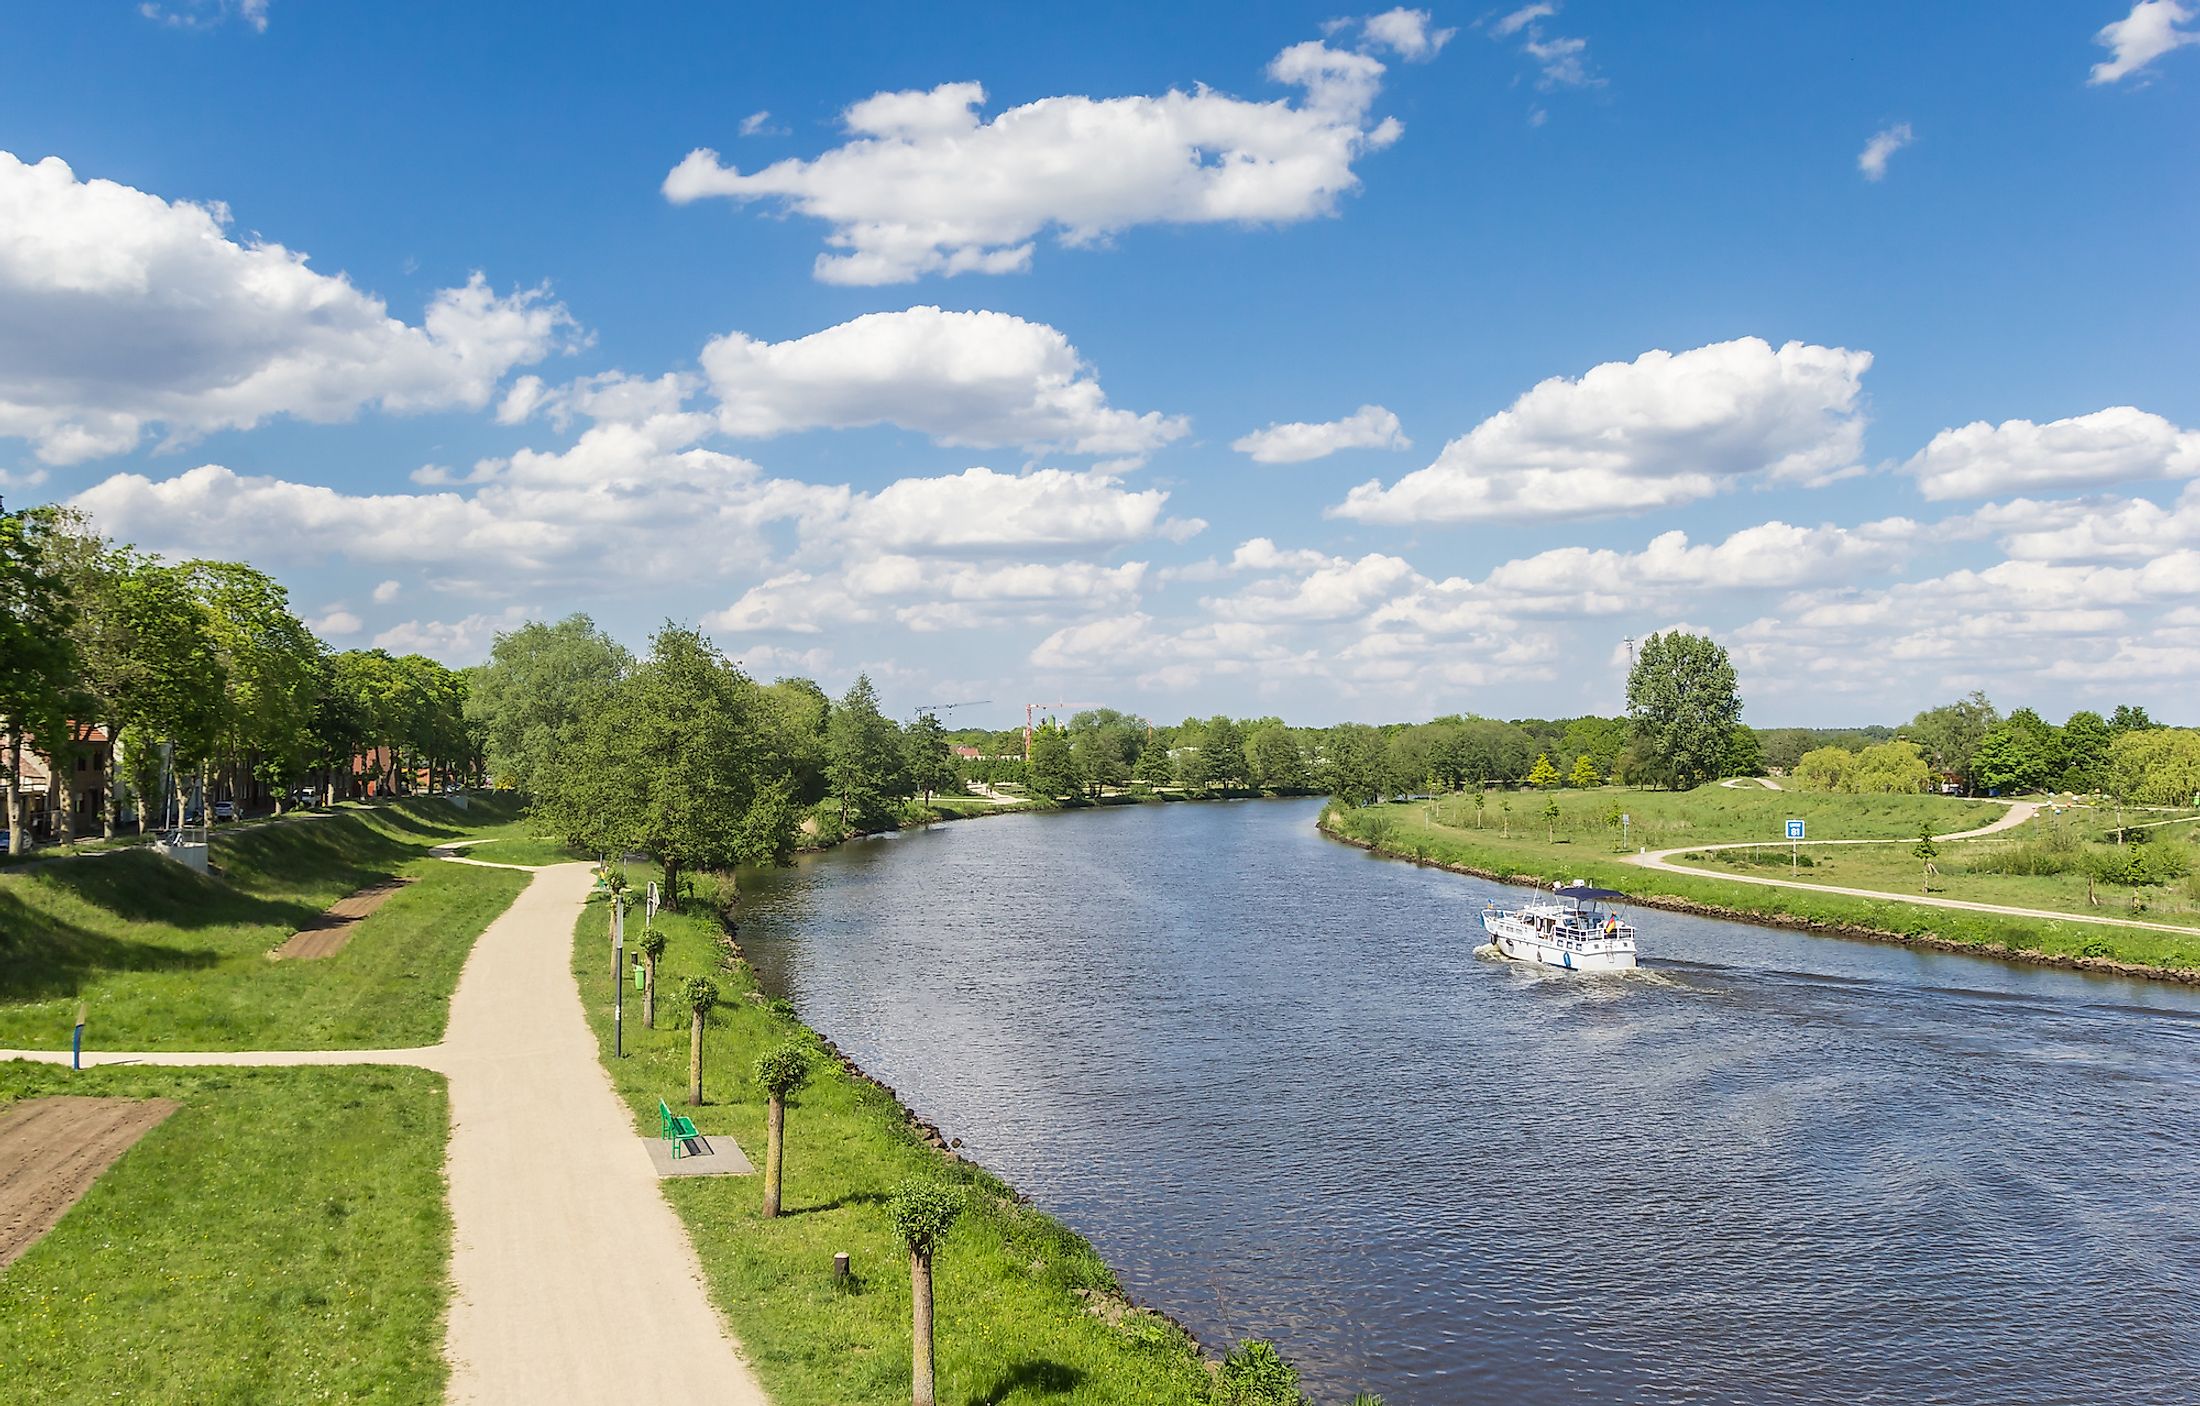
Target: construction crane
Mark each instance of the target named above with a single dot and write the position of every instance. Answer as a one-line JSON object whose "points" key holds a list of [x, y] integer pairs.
{"points": [[1030, 708], [937, 708]]}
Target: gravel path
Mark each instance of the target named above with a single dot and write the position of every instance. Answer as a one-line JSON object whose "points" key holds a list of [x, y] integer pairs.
{"points": [[574, 1281]]}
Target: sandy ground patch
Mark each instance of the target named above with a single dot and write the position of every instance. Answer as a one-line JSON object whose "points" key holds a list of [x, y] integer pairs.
{"points": [[53, 1149], [326, 935]]}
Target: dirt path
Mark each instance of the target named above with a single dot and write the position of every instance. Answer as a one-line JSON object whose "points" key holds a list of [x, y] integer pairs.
{"points": [[326, 935], [574, 1280], [2017, 814], [53, 1149], [1736, 783]]}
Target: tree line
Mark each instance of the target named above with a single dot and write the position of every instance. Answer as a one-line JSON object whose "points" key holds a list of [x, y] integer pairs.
{"points": [[196, 679]]}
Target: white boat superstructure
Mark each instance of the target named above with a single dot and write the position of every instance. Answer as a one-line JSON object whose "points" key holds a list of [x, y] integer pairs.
{"points": [[1569, 929]]}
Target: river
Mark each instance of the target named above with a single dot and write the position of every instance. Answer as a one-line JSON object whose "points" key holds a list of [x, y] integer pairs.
{"points": [[1267, 1075]]}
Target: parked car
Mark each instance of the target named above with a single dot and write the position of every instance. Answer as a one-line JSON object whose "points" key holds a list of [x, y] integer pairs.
{"points": [[225, 810]]}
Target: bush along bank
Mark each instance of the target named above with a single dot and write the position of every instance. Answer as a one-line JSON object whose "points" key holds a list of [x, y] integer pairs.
{"points": [[1396, 833], [1026, 1309]]}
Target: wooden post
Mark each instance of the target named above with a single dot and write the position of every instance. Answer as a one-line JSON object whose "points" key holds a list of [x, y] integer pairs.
{"points": [[840, 1267]]}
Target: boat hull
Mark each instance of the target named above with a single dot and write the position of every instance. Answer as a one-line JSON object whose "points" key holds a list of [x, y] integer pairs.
{"points": [[1523, 946]]}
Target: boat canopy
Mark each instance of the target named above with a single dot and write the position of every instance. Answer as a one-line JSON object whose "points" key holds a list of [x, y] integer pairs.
{"points": [[1584, 892]]}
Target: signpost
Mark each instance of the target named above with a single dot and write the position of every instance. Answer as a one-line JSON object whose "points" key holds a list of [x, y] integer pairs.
{"points": [[1795, 847], [76, 1041], [1625, 820]]}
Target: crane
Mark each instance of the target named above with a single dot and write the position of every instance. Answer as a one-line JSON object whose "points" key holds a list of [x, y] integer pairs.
{"points": [[936, 708], [1030, 708]]}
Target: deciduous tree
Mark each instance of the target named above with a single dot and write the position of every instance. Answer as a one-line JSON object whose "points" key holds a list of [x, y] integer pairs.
{"points": [[1682, 702], [780, 1072], [923, 1212]]}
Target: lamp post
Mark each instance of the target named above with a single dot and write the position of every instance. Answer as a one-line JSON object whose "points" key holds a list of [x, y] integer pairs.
{"points": [[618, 976]]}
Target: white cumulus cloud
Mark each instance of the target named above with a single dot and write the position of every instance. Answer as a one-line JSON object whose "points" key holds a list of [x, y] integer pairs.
{"points": [[983, 379], [1663, 429], [927, 185], [1885, 142], [120, 311], [2152, 29], [1369, 427], [1410, 34], [2116, 445], [979, 510]]}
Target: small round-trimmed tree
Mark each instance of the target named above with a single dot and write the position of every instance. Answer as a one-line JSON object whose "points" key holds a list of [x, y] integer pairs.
{"points": [[700, 995], [923, 1212], [652, 947], [781, 1072], [1550, 819]]}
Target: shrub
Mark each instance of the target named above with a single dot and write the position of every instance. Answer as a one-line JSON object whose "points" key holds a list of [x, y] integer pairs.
{"points": [[1255, 1374]]}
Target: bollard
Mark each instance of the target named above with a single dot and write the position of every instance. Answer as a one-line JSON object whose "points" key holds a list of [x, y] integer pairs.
{"points": [[76, 1041], [840, 1267]]}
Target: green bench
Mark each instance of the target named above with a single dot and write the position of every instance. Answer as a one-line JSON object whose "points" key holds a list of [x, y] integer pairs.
{"points": [[677, 1130]]}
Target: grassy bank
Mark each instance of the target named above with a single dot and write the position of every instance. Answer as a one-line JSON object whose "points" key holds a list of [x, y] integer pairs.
{"points": [[282, 1237], [1027, 1310], [1581, 846], [168, 959]]}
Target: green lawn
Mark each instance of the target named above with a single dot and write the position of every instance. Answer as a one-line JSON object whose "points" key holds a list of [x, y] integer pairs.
{"points": [[523, 848], [1583, 847], [281, 1238], [1892, 868], [1013, 1326], [167, 959], [1706, 815]]}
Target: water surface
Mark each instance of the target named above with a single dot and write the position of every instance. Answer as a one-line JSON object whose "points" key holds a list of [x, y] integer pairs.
{"points": [[1269, 1077]]}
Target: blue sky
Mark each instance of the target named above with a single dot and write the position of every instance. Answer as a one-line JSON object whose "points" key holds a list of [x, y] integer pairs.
{"points": [[430, 310]]}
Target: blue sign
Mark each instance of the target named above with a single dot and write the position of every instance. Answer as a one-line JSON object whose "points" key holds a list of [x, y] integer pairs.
{"points": [[1795, 829]]}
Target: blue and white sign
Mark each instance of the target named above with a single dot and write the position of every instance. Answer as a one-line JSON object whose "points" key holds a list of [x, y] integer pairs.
{"points": [[1795, 829]]}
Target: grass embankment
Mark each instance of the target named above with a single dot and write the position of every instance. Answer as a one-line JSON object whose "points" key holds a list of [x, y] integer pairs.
{"points": [[282, 1237], [1582, 846], [1017, 1292], [168, 959]]}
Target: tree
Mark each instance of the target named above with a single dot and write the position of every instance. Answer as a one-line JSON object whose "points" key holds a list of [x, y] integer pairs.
{"points": [[1745, 754], [2015, 754], [863, 759], [2129, 718], [1550, 819], [1683, 705], [1278, 762], [1481, 800], [675, 762], [700, 995], [1505, 809], [269, 668], [1053, 775], [2160, 767], [1154, 767], [541, 683], [1890, 768], [652, 947], [1584, 775], [1543, 776], [37, 654], [1255, 1374], [1223, 745], [2086, 738], [927, 760], [781, 1072], [1926, 850], [1951, 732], [923, 1212], [1826, 769]]}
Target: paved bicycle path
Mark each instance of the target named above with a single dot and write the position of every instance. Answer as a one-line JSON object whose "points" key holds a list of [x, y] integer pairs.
{"points": [[573, 1279]]}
